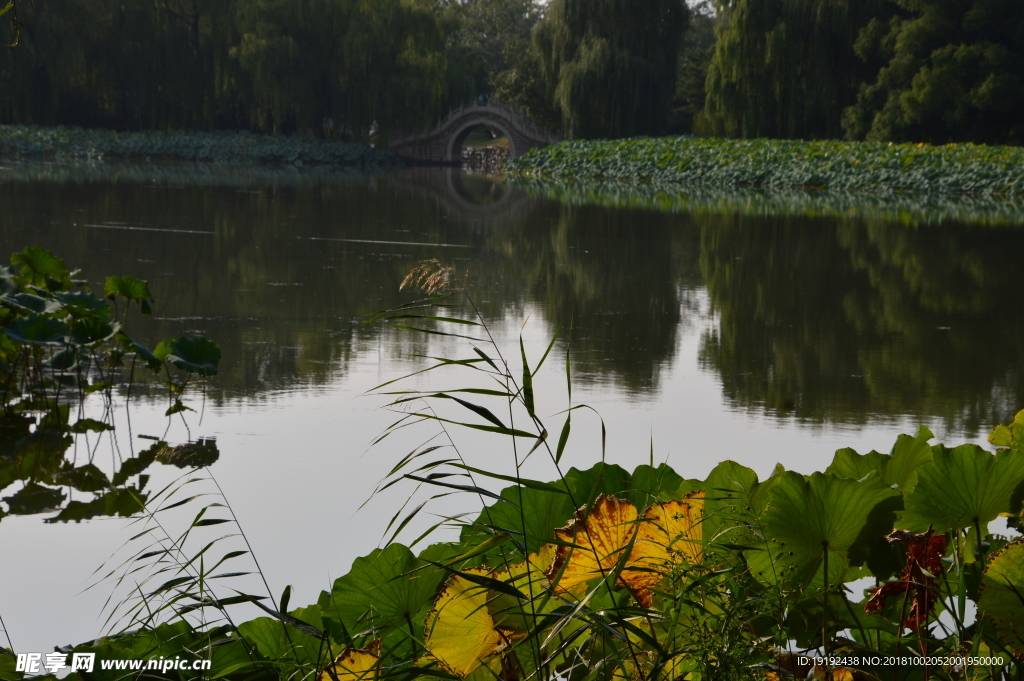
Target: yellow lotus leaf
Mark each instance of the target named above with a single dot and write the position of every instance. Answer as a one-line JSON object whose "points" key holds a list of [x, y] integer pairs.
{"points": [[529, 576], [674, 532], [600, 538], [512, 615], [460, 630], [354, 665]]}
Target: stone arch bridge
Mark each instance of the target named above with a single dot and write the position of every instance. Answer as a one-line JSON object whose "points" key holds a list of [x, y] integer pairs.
{"points": [[443, 144]]}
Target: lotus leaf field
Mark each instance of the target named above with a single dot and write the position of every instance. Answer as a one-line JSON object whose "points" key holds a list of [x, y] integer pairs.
{"points": [[75, 144], [825, 164]]}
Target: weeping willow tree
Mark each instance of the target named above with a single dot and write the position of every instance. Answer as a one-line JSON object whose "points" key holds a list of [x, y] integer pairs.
{"points": [[786, 68], [610, 65], [106, 63], [341, 66], [347, 64]]}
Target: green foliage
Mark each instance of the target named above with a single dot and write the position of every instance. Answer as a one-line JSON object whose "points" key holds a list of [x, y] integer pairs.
{"points": [[497, 32], [785, 68], [672, 197], [945, 71], [330, 67], [610, 65], [784, 164], [348, 62], [695, 53], [234, 149]]}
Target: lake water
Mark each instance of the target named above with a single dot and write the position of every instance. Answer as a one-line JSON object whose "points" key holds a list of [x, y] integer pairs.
{"points": [[696, 337]]}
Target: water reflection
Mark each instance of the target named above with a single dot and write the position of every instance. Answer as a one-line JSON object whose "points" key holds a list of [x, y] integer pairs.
{"points": [[838, 319], [855, 320]]}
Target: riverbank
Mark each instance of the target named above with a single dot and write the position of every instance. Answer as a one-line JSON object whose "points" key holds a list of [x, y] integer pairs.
{"points": [[20, 142], [828, 164]]}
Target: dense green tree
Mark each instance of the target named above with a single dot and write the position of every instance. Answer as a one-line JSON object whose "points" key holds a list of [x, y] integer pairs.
{"points": [[610, 65], [103, 63], [947, 71], [496, 31], [523, 86], [349, 63], [786, 68], [341, 66], [695, 55]]}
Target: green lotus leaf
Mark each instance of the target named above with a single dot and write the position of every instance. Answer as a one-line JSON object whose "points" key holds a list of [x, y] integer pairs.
{"points": [[91, 331], [63, 360], [40, 267], [1002, 595], [602, 478], [908, 454], [847, 463], [389, 590], [647, 484], [81, 303], [33, 303], [542, 512], [964, 487], [130, 288], [732, 503], [152, 360], [37, 330], [196, 355], [1011, 435], [285, 644], [809, 520]]}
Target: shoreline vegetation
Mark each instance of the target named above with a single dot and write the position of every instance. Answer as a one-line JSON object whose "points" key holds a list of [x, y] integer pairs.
{"points": [[783, 164], [598, 573], [673, 197], [61, 143]]}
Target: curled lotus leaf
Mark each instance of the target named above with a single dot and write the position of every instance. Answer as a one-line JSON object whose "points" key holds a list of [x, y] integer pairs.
{"points": [[91, 331], [1010, 435], [459, 632], [355, 664], [33, 303], [195, 355]]}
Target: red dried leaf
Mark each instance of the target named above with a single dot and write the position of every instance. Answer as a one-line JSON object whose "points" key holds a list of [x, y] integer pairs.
{"points": [[917, 582]]}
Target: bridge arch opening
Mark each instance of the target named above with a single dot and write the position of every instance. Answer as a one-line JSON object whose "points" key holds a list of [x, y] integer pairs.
{"points": [[458, 139]]}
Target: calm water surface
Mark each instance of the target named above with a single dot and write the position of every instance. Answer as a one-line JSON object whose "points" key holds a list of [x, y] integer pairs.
{"points": [[698, 338]]}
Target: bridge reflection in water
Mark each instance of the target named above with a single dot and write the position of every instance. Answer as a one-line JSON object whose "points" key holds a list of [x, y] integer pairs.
{"points": [[479, 198], [443, 144]]}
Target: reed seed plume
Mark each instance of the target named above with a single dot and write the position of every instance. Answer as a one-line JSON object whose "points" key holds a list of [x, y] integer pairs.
{"points": [[430, 276]]}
